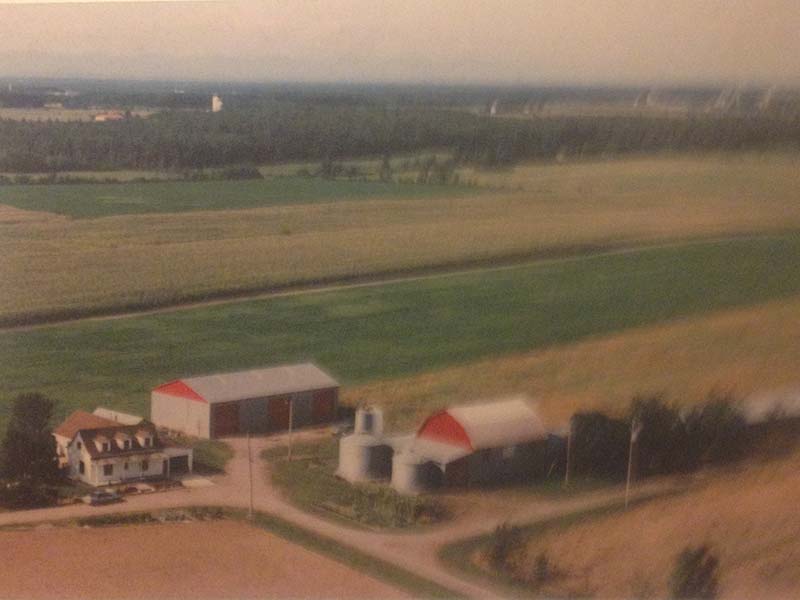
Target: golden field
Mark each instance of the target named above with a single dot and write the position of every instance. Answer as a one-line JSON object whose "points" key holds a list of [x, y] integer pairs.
{"points": [[745, 351], [748, 518], [60, 264]]}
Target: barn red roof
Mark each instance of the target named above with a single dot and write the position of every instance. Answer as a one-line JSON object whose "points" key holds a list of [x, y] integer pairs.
{"points": [[491, 425]]}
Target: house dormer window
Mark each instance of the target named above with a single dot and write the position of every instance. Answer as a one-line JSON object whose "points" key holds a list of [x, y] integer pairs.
{"points": [[148, 441], [80, 445], [126, 445], [106, 446]]}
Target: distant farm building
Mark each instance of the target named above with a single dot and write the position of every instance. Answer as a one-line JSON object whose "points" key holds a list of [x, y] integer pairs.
{"points": [[216, 103], [458, 447], [101, 451], [255, 401], [114, 115]]}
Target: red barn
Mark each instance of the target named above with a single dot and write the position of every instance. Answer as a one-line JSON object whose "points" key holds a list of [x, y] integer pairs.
{"points": [[255, 401], [481, 443]]}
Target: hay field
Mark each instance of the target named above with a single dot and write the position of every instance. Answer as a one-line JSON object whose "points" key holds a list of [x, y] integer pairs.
{"points": [[66, 266], [221, 559], [744, 350], [748, 517], [401, 329]]}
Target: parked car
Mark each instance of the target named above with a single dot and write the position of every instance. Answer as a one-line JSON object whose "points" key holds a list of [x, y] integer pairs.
{"points": [[99, 497]]}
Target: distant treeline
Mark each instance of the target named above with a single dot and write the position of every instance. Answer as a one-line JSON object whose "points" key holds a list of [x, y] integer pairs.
{"points": [[278, 132]]}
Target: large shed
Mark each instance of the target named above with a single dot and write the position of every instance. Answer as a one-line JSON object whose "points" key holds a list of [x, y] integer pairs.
{"points": [[254, 401], [483, 443]]}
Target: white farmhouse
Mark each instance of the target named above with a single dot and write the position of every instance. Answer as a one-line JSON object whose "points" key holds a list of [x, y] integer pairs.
{"points": [[99, 451]]}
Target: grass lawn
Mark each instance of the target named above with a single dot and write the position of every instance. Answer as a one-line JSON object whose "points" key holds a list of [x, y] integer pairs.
{"points": [[465, 556], [210, 456], [86, 201], [397, 329]]}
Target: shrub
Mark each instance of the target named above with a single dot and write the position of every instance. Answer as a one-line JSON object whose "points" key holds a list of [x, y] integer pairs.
{"points": [[507, 547], [695, 574], [716, 432], [27, 494], [543, 570], [661, 445], [599, 445]]}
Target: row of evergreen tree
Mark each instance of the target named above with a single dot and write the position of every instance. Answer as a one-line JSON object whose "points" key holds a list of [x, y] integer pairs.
{"points": [[287, 132]]}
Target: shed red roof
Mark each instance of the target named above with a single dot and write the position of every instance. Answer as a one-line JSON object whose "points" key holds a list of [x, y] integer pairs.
{"points": [[180, 389], [81, 419]]}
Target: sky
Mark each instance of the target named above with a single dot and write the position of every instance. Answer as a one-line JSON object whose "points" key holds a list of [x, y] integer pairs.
{"points": [[449, 41]]}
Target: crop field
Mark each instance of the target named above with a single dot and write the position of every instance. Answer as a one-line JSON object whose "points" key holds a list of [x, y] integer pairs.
{"points": [[54, 265], [93, 200], [392, 330]]}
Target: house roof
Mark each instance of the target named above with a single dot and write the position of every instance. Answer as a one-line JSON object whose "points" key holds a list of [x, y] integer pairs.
{"points": [[81, 419], [255, 383], [116, 416], [109, 433], [493, 424]]}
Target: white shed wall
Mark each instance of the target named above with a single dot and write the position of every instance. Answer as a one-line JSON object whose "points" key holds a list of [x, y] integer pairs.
{"points": [[181, 414]]}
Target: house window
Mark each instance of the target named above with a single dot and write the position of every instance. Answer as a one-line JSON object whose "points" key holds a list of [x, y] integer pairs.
{"points": [[145, 465], [108, 470], [80, 445], [127, 445], [81, 468], [125, 466], [106, 446], [148, 441]]}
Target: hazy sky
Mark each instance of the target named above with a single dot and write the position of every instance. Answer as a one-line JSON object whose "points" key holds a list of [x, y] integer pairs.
{"points": [[506, 41]]}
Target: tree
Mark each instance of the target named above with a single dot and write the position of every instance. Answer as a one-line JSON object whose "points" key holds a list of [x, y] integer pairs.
{"points": [[28, 451], [661, 446]]}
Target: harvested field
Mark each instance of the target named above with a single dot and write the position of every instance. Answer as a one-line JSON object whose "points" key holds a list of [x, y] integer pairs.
{"points": [[220, 559], [294, 230], [747, 517]]}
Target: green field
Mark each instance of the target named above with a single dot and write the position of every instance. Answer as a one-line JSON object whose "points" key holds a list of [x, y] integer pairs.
{"points": [[86, 201], [398, 329], [55, 267]]}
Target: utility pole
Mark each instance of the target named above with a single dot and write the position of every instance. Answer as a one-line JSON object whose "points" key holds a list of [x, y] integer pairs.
{"points": [[291, 423], [636, 428], [250, 467]]}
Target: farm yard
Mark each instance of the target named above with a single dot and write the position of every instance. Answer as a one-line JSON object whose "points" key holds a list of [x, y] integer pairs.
{"points": [[387, 331], [222, 559], [168, 243]]}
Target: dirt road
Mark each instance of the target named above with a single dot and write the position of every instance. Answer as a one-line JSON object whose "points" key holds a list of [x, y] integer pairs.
{"points": [[416, 552]]}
